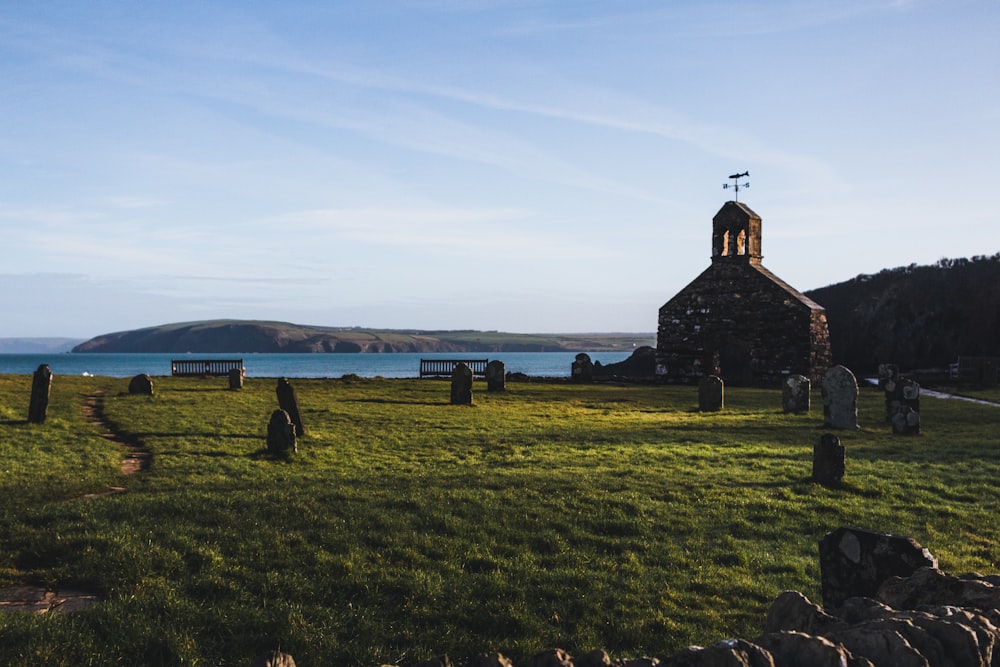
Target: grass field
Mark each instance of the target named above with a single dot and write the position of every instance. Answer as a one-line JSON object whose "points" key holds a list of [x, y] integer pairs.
{"points": [[550, 515]]}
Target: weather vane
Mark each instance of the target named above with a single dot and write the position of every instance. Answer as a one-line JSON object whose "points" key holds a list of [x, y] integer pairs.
{"points": [[735, 185]]}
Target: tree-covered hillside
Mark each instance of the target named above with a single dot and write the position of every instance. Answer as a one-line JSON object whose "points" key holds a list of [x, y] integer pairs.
{"points": [[915, 316]]}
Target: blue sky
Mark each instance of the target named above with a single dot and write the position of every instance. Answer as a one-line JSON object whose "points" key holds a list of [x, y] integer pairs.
{"points": [[527, 166]]}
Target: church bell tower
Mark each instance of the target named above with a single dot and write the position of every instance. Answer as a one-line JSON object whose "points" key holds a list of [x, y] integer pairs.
{"points": [[736, 234]]}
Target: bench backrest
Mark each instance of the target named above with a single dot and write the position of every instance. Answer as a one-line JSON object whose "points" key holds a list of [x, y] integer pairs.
{"points": [[204, 366], [445, 367]]}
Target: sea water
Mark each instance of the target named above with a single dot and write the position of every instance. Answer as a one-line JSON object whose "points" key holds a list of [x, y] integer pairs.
{"points": [[304, 365]]}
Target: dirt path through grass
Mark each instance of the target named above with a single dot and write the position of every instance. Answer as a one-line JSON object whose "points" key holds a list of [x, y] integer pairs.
{"points": [[136, 459], [38, 600]]}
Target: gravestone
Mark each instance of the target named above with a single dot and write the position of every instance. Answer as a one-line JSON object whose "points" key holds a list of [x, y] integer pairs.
{"points": [[795, 394], [828, 460], [280, 433], [910, 394], [461, 384], [290, 404], [582, 369], [902, 405], [496, 376], [840, 399], [141, 384], [41, 386], [236, 376], [711, 393], [906, 422], [891, 386], [910, 403], [855, 562]]}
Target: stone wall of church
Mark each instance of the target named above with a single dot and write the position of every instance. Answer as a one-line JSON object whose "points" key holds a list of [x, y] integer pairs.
{"points": [[737, 321]]}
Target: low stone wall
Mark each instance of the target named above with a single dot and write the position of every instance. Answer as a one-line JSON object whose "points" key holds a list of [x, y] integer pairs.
{"points": [[911, 615]]}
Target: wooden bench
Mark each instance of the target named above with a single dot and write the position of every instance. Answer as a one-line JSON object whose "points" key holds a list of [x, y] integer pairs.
{"points": [[445, 367], [220, 367]]}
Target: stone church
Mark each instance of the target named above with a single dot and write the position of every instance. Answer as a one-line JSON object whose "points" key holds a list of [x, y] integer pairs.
{"points": [[738, 320]]}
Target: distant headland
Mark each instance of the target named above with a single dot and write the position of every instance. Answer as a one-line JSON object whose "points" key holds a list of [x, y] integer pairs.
{"points": [[261, 336]]}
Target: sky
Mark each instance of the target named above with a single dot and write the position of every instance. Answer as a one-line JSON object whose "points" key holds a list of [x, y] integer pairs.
{"points": [[512, 165]]}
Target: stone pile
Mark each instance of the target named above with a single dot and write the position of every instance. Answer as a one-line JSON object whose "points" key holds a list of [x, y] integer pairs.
{"points": [[923, 618], [929, 619]]}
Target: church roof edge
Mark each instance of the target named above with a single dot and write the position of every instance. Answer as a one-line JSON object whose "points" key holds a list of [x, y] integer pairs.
{"points": [[740, 205]]}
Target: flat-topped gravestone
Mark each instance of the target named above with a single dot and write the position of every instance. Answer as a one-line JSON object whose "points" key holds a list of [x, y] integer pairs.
{"points": [[41, 386], [906, 422], [829, 458], [461, 384], [280, 433], [840, 399], [582, 369], [795, 394], [141, 384], [711, 393], [236, 376], [290, 404], [496, 376]]}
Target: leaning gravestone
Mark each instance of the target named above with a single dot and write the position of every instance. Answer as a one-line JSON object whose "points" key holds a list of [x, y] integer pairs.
{"points": [[461, 384], [280, 433], [496, 376], [795, 393], [828, 460], [41, 385], [582, 369], [854, 562], [236, 378], [711, 393], [141, 384], [840, 399], [290, 404]]}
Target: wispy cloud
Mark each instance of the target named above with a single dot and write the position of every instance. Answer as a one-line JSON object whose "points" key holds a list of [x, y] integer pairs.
{"points": [[131, 201], [417, 126], [493, 234]]}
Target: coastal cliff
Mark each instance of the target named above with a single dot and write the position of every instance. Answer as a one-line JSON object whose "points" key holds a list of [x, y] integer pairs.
{"points": [[258, 336]]}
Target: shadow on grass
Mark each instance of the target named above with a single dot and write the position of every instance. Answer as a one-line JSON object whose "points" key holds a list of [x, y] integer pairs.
{"points": [[808, 482], [266, 455], [14, 422], [223, 387], [395, 401], [189, 434]]}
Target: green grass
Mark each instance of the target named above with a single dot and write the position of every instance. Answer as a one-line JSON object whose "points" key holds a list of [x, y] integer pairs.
{"points": [[552, 515], [982, 393]]}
